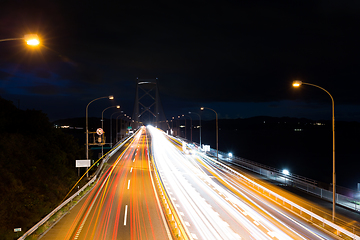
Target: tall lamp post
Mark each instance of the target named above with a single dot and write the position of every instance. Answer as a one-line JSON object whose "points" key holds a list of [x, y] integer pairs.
{"points": [[172, 125], [111, 97], [179, 117], [217, 131], [111, 138], [121, 115], [298, 83], [200, 124], [190, 127], [102, 125]]}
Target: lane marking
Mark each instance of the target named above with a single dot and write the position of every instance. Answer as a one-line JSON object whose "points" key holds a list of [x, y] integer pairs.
{"points": [[128, 183], [125, 215], [131, 169], [134, 160]]}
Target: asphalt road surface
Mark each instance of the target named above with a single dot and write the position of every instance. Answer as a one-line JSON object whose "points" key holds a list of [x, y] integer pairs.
{"points": [[122, 205]]}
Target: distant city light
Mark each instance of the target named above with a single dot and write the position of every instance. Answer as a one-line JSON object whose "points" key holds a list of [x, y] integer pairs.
{"points": [[286, 172], [230, 155]]}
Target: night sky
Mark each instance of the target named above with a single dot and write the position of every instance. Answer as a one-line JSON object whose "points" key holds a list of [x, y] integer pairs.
{"points": [[237, 57]]}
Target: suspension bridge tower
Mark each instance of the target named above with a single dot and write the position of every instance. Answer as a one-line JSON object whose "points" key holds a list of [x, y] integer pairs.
{"points": [[147, 109]]}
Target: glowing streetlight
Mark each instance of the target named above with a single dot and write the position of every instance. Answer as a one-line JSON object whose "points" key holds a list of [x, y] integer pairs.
{"points": [[298, 83], [121, 124], [102, 123], [111, 138], [30, 39], [200, 124], [185, 122], [111, 97]]}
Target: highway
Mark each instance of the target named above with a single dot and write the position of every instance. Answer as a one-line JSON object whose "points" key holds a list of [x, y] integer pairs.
{"points": [[213, 204], [122, 205]]}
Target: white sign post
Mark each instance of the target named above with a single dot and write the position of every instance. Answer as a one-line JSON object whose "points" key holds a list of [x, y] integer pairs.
{"points": [[17, 230], [82, 163]]}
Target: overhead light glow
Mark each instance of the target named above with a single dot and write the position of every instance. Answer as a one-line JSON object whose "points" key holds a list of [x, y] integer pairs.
{"points": [[32, 39], [297, 83]]}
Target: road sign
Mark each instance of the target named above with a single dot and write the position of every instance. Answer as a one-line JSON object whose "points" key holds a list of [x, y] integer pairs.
{"points": [[129, 127], [82, 163], [17, 229], [99, 131]]}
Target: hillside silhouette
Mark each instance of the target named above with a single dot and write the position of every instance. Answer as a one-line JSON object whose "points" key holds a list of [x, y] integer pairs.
{"points": [[37, 167]]}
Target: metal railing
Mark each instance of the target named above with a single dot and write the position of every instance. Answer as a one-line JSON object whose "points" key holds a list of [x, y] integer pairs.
{"points": [[316, 216], [47, 217], [171, 213], [302, 183]]}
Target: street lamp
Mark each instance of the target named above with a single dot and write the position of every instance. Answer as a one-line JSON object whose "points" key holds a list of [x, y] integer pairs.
{"points": [[111, 138], [200, 124], [298, 83], [190, 127], [217, 131], [121, 115], [111, 97], [30, 39], [102, 125], [180, 123]]}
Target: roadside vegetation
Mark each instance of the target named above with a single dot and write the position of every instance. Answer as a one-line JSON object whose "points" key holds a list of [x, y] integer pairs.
{"points": [[37, 167]]}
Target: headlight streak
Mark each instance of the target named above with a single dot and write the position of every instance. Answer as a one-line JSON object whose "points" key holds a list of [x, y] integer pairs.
{"points": [[224, 195], [188, 193], [278, 226], [208, 223], [235, 204], [248, 210], [223, 173]]}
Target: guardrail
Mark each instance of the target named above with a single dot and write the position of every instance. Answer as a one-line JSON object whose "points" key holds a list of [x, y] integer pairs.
{"points": [[252, 166], [305, 184], [42, 221], [309, 215], [312, 214], [171, 213], [47, 217]]}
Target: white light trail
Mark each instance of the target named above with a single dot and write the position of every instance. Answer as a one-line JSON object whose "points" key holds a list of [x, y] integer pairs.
{"points": [[210, 211]]}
